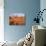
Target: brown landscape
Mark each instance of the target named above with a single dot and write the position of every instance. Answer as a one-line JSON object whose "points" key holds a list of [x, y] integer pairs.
{"points": [[16, 20]]}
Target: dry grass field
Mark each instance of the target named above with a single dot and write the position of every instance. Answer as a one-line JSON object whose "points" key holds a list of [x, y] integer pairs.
{"points": [[16, 20]]}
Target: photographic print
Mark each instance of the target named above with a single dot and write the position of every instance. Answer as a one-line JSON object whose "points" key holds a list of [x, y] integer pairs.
{"points": [[17, 19]]}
